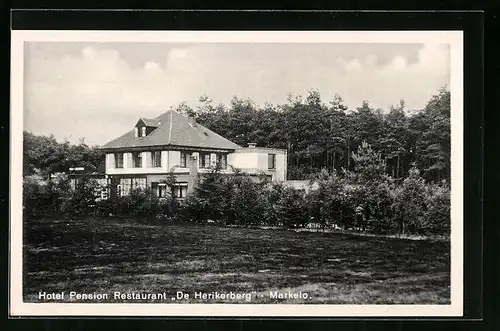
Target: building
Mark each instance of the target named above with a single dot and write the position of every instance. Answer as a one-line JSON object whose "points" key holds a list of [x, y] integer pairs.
{"points": [[173, 144], [101, 187]]}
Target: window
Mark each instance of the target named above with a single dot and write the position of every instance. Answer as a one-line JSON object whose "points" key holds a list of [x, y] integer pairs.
{"points": [[154, 187], [156, 159], [222, 160], [139, 183], [104, 193], [118, 160], [160, 189], [204, 160], [180, 190], [137, 157], [136, 132], [184, 157], [271, 161], [125, 186], [143, 131]]}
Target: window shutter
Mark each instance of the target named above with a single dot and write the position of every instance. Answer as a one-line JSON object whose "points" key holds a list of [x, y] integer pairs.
{"points": [[149, 159], [129, 160], [111, 161]]}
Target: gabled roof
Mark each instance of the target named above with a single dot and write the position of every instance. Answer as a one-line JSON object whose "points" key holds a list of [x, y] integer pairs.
{"points": [[176, 130], [148, 122]]}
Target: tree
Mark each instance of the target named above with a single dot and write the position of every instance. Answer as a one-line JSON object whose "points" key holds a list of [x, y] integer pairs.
{"points": [[430, 129], [369, 166], [394, 143], [410, 203], [325, 202], [319, 136], [46, 156], [291, 209]]}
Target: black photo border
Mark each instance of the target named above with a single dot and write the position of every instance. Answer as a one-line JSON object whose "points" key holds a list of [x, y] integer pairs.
{"points": [[470, 22]]}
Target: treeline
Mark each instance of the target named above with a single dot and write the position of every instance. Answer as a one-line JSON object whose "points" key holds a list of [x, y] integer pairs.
{"points": [[322, 136], [365, 199], [316, 135], [45, 156]]}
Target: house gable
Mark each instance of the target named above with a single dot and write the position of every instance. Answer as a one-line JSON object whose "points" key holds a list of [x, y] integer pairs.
{"points": [[171, 129], [145, 126]]}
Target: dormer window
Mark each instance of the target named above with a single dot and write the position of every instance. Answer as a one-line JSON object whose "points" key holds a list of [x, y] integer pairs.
{"points": [[145, 126]]}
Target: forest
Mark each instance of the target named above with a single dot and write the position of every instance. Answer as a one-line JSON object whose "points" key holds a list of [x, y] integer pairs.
{"points": [[375, 171], [316, 135], [323, 136]]}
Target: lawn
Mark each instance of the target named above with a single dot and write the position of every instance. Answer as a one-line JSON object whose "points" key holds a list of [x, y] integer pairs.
{"points": [[108, 256]]}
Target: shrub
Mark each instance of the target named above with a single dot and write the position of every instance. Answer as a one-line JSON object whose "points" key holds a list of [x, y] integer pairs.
{"points": [[192, 209], [326, 202], [410, 203], [169, 208], [437, 218], [41, 199], [247, 203], [82, 201], [143, 203], [271, 197], [381, 206], [291, 208]]}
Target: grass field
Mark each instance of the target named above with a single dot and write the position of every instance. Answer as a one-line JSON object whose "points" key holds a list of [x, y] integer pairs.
{"points": [[108, 256]]}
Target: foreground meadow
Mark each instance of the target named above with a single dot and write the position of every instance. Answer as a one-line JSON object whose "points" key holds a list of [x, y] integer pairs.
{"points": [[115, 255]]}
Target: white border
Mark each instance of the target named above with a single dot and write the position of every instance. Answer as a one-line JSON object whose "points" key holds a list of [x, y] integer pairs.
{"points": [[18, 308]]}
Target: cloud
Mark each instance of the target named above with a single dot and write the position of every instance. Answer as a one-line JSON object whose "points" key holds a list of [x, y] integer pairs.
{"points": [[97, 94], [353, 66], [398, 64]]}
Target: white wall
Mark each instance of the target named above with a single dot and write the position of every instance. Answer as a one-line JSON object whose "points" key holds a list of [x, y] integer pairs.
{"points": [[245, 158], [257, 158], [174, 158], [281, 166], [147, 166]]}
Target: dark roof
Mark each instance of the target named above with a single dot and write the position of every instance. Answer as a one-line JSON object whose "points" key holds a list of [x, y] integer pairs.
{"points": [[149, 122], [174, 129]]}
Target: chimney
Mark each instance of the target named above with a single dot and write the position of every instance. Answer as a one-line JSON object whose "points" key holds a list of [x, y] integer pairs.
{"points": [[252, 145], [192, 164]]}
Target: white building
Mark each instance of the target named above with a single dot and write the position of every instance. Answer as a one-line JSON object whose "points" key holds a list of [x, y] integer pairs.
{"points": [[175, 144]]}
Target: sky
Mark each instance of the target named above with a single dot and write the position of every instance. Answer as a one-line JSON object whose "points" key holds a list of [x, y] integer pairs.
{"points": [[98, 91]]}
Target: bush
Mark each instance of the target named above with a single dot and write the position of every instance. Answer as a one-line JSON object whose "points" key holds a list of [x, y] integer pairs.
{"points": [[105, 207], [44, 199], [325, 203], [291, 208], [437, 218], [82, 201], [169, 208], [248, 203], [381, 206], [373, 202], [141, 203], [271, 197], [192, 209], [410, 204]]}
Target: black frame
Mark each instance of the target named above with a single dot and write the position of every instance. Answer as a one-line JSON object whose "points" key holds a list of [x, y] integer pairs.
{"points": [[472, 25]]}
